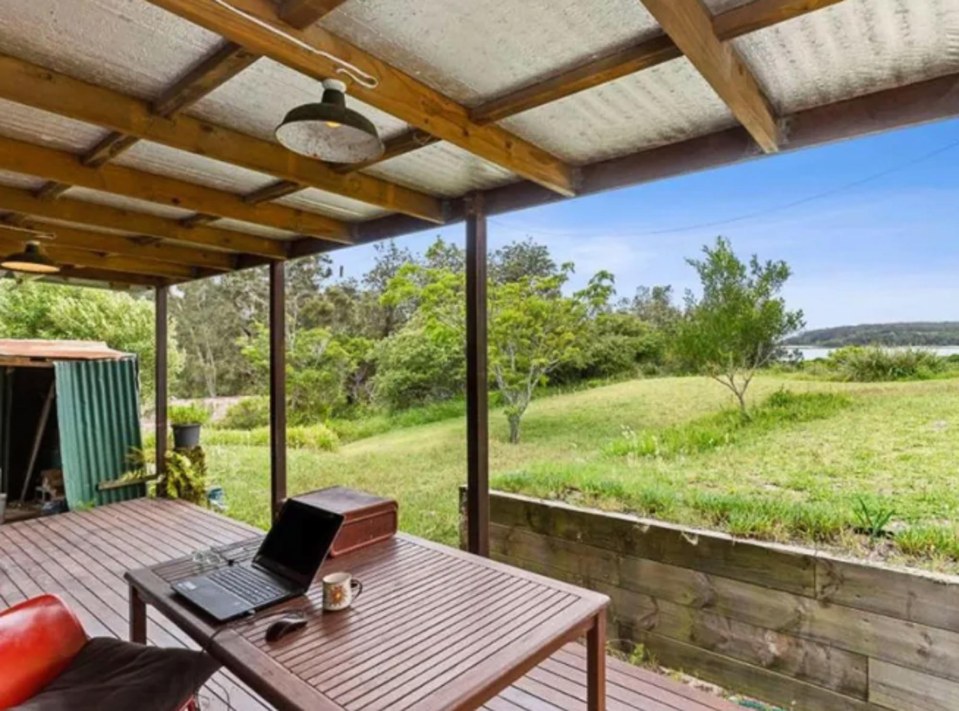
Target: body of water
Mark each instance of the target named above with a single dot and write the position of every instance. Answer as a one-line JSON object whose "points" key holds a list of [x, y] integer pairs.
{"points": [[814, 352]]}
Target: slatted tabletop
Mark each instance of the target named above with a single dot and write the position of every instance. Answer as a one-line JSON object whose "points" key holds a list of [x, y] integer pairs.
{"points": [[435, 628]]}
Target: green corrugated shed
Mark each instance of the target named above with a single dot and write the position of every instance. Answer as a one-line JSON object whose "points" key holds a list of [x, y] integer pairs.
{"points": [[98, 410]]}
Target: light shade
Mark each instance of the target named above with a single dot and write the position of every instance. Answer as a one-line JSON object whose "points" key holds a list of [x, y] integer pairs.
{"points": [[30, 261], [329, 131]]}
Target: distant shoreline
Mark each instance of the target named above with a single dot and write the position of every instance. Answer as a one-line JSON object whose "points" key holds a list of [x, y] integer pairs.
{"points": [[915, 334]]}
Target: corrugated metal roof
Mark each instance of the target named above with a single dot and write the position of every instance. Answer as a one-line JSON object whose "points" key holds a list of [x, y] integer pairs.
{"points": [[98, 413], [853, 48], [127, 45], [471, 51], [127, 203], [36, 126], [157, 158], [58, 350], [333, 205], [442, 169], [18, 180], [667, 103]]}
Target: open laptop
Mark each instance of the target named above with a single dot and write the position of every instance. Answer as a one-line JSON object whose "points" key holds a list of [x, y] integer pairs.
{"points": [[283, 567]]}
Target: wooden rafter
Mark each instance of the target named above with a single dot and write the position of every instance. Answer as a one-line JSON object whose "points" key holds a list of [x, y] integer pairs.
{"points": [[273, 191], [108, 262], [689, 24], [88, 213], [45, 89], [225, 63], [728, 25], [397, 93], [148, 249], [303, 13], [62, 167], [110, 278]]}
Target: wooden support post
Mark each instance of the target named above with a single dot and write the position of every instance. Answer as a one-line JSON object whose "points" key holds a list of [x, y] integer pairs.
{"points": [[477, 380], [160, 379], [277, 386]]}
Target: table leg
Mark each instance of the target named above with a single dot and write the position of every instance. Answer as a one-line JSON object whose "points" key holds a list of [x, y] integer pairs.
{"points": [[596, 663], [138, 617]]}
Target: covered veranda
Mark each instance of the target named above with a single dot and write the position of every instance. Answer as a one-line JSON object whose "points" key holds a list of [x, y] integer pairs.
{"points": [[136, 145]]}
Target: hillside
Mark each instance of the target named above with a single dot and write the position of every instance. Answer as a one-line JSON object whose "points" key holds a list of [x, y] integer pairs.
{"points": [[916, 333]]}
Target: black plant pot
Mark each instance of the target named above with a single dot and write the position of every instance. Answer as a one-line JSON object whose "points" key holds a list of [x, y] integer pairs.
{"points": [[186, 436]]}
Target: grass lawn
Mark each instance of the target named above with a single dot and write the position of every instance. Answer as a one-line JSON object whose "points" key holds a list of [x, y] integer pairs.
{"points": [[891, 446]]}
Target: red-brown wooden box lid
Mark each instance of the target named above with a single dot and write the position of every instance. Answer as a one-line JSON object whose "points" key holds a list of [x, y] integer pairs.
{"points": [[350, 503]]}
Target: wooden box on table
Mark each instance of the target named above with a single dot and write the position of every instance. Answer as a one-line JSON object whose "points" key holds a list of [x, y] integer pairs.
{"points": [[368, 518]]}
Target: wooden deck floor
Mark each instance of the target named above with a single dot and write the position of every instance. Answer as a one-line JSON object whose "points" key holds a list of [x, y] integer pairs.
{"points": [[82, 556]]}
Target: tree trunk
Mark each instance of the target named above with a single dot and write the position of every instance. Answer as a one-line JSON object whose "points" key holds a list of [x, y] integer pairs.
{"points": [[514, 428]]}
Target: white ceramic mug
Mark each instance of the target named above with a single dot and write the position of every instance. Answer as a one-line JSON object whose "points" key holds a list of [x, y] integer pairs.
{"points": [[339, 591]]}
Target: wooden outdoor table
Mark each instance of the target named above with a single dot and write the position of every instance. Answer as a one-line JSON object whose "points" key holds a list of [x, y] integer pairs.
{"points": [[435, 628]]}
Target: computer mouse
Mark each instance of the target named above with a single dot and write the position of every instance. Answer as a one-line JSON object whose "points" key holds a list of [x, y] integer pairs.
{"points": [[288, 624]]}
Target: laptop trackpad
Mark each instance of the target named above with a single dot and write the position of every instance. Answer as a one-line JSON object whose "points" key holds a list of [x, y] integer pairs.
{"points": [[212, 599]]}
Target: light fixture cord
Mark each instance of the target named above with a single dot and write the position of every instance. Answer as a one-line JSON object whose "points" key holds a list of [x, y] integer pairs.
{"points": [[351, 70]]}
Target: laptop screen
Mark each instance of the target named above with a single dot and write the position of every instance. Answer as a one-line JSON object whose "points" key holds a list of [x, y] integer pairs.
{"points": [[298, 542]]}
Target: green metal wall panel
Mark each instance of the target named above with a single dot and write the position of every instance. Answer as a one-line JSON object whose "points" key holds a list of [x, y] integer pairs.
{"points": [[98, 410]]}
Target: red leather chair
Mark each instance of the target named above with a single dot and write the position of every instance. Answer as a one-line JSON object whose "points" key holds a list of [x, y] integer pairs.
{"points": [[38, 639]]}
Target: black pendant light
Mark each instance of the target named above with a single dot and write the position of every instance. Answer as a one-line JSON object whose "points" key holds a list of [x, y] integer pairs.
{"points": [[329, 131], [31, 260]]}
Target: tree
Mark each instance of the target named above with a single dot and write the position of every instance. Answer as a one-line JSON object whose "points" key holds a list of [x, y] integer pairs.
{"points": [[533, 329], [519, 260], [317, 367], [655, 306], [737, 325], [389, 317], [121, 320]]}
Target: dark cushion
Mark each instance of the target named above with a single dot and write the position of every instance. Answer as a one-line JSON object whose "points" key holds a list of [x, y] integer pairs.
{"points": [[113, 674]]}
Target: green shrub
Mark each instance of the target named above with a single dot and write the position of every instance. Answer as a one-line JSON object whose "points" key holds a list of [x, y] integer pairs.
{"points": [[728, 426], [316, 437], [189, 414], [867, 364], [416, 368], [247, 414]]}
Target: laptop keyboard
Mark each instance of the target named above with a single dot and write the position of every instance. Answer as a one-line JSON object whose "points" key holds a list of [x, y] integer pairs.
{"points": [[252, 586]]}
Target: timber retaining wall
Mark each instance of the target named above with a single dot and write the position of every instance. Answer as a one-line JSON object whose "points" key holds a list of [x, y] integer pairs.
{"points": [[792, 626]]}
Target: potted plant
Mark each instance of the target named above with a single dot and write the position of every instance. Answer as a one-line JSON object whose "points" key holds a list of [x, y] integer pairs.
{"points": [[186, 421]]}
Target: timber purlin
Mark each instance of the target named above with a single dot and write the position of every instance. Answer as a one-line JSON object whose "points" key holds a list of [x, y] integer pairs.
{"points": [[785, 624]]}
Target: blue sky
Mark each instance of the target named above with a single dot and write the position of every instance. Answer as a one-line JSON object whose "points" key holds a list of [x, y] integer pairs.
{"points": [[876, 238]]}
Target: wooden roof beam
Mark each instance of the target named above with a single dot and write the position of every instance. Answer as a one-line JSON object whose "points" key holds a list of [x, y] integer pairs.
{"points": [[98, 260], [149, 249], [690, 26], [303, 13], [42, 88], [138, 223], [397, 93], [113, 280], [648, 53], [64, 168], [225, 63]]}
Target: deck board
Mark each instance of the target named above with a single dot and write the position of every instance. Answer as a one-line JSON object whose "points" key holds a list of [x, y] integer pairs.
{"points": [[82, 557]]}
